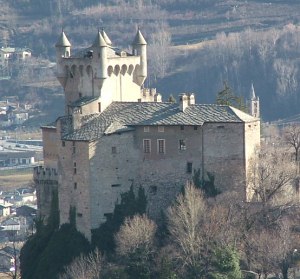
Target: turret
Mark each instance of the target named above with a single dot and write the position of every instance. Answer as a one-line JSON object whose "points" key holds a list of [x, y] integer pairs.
{"points": [[106, 38], [63, 50], [63, 46], [100, 55], [139, 48]]}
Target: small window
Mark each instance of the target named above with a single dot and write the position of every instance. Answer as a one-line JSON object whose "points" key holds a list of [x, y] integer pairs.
{"points": [[99, 107], [161, 129], [195, 127], [79, 214], [181, 127], [182, 145], [147, 145], [161, 146], [75, 185], [189, 167], [73, 147], [114, 150], [153, 189], [63, 143], [75, 168], [220, 127], [146, 129], [116, 185], [80, 95]]}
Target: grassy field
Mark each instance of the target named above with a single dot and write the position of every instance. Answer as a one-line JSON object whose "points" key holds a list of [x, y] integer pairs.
{"points": [[12, 179]]}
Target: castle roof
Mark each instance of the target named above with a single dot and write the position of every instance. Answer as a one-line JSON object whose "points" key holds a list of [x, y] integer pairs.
{"points": [[139, 39], [125, 116], [83, 101], [63, 41], [99, 41], [106, 38]]}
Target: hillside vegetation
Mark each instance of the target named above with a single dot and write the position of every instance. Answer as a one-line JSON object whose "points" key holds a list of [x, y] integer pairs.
{"points": [[193, 45]]}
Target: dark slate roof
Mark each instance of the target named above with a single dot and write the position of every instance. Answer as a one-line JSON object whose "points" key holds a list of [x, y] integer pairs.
{"points": [[121, 116], [83, 101]]}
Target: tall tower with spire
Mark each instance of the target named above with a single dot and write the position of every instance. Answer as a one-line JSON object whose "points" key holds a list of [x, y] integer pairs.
{"points": [[254, 108]]}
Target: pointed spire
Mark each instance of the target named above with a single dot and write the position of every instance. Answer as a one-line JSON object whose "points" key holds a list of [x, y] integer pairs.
{"points": [[106, 38], [252, 93], [99, 41], [139, 38], [63, 40]]}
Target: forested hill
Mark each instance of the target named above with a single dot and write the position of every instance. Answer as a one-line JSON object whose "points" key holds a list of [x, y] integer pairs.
{"points": [[194, 45]]}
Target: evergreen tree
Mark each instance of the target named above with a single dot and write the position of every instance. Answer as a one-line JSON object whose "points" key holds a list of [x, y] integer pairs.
{"points": [[103, 237], [34, 247], [227, 97], [207, 186], [225, 263]]}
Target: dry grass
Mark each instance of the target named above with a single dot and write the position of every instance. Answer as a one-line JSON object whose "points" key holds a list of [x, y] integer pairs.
{"points": [[13, 179]]}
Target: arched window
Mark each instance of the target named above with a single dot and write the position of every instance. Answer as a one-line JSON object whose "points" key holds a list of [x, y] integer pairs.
{"points": [[123, 70]]}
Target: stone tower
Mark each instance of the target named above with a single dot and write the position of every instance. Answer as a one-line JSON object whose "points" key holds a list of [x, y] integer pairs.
{"points": [[254, 109], [100, 74]]}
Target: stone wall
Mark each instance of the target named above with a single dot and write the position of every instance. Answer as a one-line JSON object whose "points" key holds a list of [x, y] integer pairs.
{"points": [[46, 182], [74, 179]]}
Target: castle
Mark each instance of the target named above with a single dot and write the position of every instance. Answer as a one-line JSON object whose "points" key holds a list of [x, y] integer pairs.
{"points": [[116, 134]]}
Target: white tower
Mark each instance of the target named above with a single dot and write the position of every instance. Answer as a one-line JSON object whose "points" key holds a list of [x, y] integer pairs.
{"points": [[63, 50], [139, 47], [254, 103]]}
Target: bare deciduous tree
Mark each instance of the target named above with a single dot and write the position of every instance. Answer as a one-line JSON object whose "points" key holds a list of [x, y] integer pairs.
{"points": [[84, 267], [136, 232], [271, 175], [185, 221], [292, 138]]}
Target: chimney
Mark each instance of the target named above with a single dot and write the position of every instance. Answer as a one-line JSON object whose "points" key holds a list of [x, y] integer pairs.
{"points": [[191, 99], [76, 119], [183, 101], [157, 98]]}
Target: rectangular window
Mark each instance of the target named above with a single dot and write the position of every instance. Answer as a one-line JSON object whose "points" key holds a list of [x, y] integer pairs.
{"points": [[75, 185], [189, 167], [161, 129], [114, 150], [147, 145], [181, 127], [63, 143], [99, 107], [182, 145], [79, 214], [195, 127], [75, 168], [116, 185], [146, 129], [161, 146]]}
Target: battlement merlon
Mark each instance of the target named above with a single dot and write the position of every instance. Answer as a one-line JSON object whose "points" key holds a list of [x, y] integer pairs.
{"points": [[40, 173]]}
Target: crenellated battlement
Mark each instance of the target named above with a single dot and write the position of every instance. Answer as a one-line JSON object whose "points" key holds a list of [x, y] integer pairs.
{"points": [[41, 174]]}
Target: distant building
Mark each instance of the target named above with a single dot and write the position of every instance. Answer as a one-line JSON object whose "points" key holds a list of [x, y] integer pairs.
{"points": [[116, 134], [5, 208], [16, 158]]}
